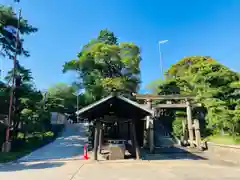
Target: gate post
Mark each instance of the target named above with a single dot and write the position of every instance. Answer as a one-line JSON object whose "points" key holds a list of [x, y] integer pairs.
{"points": [[197, 133], [151, 135], [146, 128], [149, 132], [190, 123]]}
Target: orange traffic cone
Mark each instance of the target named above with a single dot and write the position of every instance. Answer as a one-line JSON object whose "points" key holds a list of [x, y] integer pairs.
{"points": [[85, 153]]}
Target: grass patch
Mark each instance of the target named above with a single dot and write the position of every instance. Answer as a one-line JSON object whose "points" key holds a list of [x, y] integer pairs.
{"points": [[11, 156], [225, 139]]}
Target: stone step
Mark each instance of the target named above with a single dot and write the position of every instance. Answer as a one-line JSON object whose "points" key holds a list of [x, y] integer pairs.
{"points": [[168, 156], [175, 152], [176, 149]]}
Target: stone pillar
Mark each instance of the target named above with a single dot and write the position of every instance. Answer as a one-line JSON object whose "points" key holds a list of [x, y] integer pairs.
{"points": [[149, 129], [145, 135], [146, 129], [184, 137], [151, 135], [197, 133], [96, 140], [190, 123]]}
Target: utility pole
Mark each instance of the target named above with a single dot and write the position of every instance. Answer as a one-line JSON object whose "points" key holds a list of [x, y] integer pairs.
{"points": [[160, 56], [7, 145]]}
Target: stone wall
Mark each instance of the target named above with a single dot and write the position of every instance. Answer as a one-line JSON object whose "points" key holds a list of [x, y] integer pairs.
{"points": [[229, 153], [58, 118]]}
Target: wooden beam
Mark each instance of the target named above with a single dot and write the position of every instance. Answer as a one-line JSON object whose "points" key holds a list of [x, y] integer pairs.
{"points": [[100, 139], [163, 97]]}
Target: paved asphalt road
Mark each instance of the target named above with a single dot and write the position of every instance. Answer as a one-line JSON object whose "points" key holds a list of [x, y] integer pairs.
{"points": [[130, 170], [69, 145], [40, 165]]}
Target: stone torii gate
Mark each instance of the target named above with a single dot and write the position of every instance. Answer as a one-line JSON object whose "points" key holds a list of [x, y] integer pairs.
{"points": [[185, 102]]}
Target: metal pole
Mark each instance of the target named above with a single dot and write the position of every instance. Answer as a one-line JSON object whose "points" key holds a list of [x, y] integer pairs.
{"points": [[160, 54], [161, 63]]}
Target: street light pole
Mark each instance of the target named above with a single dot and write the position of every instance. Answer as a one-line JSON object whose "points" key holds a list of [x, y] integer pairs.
{"points": [[160, 56]]}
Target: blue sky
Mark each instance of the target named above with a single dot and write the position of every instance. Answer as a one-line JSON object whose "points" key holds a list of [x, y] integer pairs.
{"points": [[200, 27]]}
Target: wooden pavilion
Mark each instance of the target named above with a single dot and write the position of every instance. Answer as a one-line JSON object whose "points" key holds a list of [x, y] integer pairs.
{"points": [[136, 121], [121, 110]]}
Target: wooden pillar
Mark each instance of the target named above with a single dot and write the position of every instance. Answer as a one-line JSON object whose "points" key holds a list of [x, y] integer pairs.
{"points": [[190, 123], [96, 139], [135, 142], [100, 138], [197, 133]]}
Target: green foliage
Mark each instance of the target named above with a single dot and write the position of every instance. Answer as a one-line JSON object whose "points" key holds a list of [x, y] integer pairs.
{"points": [[177, 123], [4, 91], [177, 128], [61, 98], [104, 65]]}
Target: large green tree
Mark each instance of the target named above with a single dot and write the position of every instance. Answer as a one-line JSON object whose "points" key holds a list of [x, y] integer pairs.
{"points": [[104, 64], [214, 85]]}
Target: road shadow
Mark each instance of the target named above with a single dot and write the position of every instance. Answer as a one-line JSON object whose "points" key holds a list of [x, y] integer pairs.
{"points": [[24, 166], [172, 153]]}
